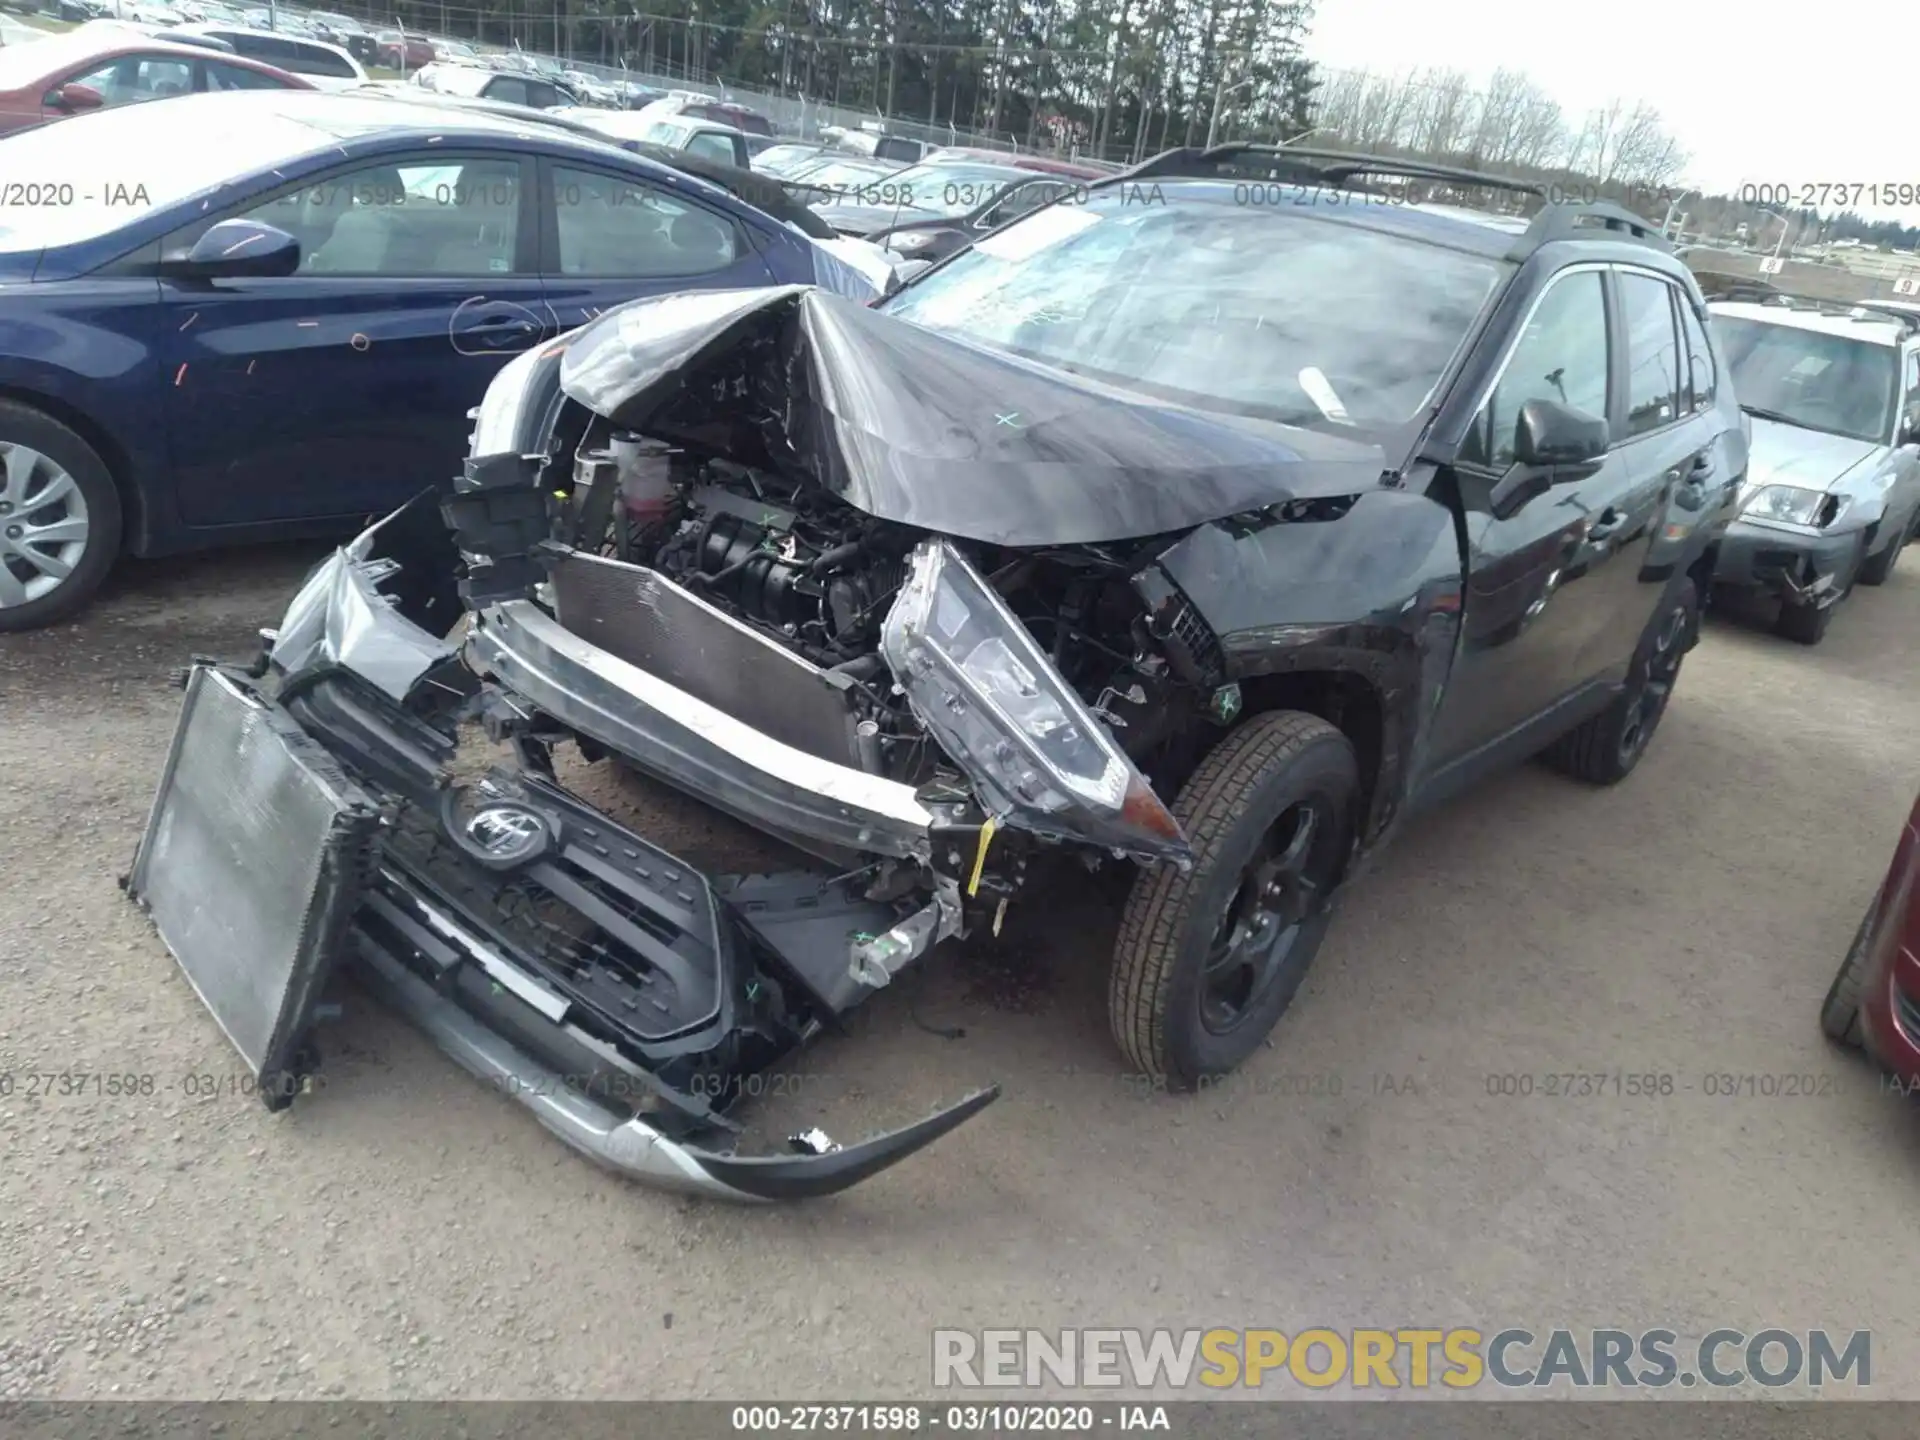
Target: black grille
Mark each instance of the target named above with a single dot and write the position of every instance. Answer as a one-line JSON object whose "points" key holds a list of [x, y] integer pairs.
{"points": [[607, 920], [1198, 639]]}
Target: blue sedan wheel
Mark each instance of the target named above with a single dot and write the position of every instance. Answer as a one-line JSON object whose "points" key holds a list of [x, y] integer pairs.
{"points": [[59, 519]]}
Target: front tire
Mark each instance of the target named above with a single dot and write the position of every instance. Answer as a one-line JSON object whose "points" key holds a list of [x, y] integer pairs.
{"points": [[59, 520], [1208, 960], [1840, 1011], [1605, 749], [1807, 624], [1875, 569]]}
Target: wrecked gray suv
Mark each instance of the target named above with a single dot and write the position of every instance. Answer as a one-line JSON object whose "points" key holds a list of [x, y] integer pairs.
{"points": [[1174, 537]]}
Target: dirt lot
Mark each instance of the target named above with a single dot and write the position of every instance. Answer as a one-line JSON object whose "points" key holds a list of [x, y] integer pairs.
{"points": [[408, 1233]]}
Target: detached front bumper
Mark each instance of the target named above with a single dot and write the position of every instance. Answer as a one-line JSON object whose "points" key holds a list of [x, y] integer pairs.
{"points": [[1805, 569], [620, 995]]}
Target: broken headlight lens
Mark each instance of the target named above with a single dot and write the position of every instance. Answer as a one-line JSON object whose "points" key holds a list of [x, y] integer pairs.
{"points": [[997, 706], [1790, 505]]}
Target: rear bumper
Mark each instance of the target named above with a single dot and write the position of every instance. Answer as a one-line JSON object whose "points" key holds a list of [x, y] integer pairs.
{"points": [[1806, 569], [825, 807]]}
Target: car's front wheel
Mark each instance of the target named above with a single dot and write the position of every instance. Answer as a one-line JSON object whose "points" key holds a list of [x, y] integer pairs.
{"points": [[1209, 959], [1807, 624], [1840, 1011], [59, 519], [1875, 569]]}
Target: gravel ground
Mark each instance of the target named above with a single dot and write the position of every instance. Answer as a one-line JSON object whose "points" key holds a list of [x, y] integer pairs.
{"points": [[407, 1233]]}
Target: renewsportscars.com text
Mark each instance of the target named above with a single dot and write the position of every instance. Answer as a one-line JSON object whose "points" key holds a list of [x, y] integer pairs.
{"points": [[1414, 1359]]}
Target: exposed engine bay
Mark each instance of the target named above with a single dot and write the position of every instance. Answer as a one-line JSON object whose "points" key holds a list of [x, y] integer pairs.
{"points": [[922, 612], [810, 573]]}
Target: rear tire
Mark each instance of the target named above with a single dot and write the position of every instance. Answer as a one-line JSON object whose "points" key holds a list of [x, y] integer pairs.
{"points": [[1605, 749], [1208, 960], [59, 520], [1840, 1011]]}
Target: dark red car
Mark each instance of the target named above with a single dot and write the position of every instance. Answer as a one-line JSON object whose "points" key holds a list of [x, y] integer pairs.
{"points": [[63, 75], [1046, 164], [1875, 999], [405, 52]]}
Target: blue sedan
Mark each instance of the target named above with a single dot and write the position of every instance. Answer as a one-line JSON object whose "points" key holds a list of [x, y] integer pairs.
{"points": [[247, 316]]}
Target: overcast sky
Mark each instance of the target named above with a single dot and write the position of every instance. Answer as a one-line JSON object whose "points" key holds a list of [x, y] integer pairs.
{"points": [[1819, 93]]}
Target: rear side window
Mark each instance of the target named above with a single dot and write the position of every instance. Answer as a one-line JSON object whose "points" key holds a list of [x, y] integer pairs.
{"points": [[1561, 355], [1700, 370], [289, 55], [510, 88], [1653, 354], [713, 146]]}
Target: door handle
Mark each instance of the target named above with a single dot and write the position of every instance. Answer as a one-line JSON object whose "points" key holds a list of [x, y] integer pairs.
{"points": [[499, 324], [1607, 526]]}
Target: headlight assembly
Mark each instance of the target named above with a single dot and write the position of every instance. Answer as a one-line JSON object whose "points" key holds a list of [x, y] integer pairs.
{"points": [[1790, 505], [995, 703]]}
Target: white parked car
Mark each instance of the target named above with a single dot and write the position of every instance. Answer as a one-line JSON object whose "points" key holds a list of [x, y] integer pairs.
{"points": [[324, 66]]}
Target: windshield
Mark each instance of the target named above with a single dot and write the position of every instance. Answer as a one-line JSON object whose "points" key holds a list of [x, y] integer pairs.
{"points": [[135, 159], [1819, 382], [841, 174], [1299, 320], [784, 159], [666, 132]]}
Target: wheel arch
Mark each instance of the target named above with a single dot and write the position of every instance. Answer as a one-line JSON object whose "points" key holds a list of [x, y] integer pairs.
{"points": [[1359, 703], [116, 457]]}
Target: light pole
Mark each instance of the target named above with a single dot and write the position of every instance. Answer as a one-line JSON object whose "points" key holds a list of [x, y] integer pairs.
{"points": [[1785, 226], [1220, 93]]}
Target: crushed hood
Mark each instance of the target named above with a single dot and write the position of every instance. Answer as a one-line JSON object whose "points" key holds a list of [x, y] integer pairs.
{"points": [[919, 428]]}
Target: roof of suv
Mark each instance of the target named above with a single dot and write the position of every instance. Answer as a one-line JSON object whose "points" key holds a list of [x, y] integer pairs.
{"points": [[1352, 184], [1856, 324]]}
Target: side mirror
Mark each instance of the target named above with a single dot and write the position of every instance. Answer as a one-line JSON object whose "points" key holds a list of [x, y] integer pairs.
{"points": [[237, 249], [73, 97], [1909, 428], [1552, 445]]}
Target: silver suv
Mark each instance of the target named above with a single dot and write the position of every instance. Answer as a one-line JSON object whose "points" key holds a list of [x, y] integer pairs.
{"points": [[1832, 392]]}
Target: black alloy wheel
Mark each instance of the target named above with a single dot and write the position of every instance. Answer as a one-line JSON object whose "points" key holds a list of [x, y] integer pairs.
{"points": [[1280, 890]]}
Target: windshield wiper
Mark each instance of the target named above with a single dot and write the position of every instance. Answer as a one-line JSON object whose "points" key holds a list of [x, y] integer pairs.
{"points": [[1765, 414]]}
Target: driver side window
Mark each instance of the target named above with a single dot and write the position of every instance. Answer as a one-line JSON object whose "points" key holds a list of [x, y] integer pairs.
{"points": [[130, 79], [1561, 355]]}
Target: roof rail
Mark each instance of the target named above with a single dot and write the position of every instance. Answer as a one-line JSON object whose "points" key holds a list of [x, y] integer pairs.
{"points": [[1329, 167], [1335, 168], [1561, 222]]}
